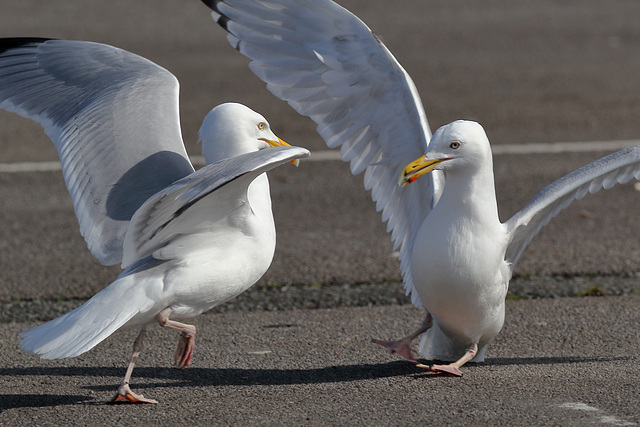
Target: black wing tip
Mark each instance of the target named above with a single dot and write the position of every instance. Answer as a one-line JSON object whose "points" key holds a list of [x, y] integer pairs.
{"points": [[222, 19], [9, 43], [212, 4]]}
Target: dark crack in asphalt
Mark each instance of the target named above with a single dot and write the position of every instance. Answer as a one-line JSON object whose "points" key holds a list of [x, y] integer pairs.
{"points": [[350, 295]]}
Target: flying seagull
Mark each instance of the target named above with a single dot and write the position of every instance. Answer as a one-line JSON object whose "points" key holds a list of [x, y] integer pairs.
{"points": [[186, 240], [456, 257]]}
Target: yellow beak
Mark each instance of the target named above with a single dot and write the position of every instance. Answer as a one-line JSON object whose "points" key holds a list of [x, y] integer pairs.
{"points": [[417, 168], [280, 143]]}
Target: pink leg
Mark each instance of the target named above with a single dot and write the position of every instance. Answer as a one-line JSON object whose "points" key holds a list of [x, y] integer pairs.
{"points": [[402, 347], [187, 342], [124, 393], [453, 368]]}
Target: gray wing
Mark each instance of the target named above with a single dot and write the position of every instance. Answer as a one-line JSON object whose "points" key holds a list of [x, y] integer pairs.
{"points": [[329, 66], [619, 167], [175, 211], [112, 116]]}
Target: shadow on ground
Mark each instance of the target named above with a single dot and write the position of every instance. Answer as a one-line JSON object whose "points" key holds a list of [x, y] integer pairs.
{"points": [[242, 377]]}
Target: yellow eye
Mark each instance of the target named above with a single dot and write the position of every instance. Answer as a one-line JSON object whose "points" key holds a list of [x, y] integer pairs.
{"points": [[454, 145], [262, 125]]}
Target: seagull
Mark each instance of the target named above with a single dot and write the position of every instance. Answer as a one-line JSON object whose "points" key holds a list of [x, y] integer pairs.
{"points": [[456, 257], [186, 240]]}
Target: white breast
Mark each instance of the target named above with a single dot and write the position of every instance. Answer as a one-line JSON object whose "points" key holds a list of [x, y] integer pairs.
{"points": [[460, 274]]}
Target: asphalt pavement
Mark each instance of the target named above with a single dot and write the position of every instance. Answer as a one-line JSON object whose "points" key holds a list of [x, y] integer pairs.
{"points": [[295, 350], [564, 361]]}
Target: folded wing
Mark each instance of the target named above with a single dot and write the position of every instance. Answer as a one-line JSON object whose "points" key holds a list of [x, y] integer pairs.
{"points": [[176, 210]]}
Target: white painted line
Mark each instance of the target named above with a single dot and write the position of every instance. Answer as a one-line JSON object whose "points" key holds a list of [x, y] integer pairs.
{"points": [[578, 407], [334, 155], [323, 156], [260, 352], [316, 156], [29, 167], [600, 418], [564, 147]]}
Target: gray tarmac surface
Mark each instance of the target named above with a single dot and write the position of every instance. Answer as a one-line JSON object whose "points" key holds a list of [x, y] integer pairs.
{"points": [[295, 349], [317, 367]]}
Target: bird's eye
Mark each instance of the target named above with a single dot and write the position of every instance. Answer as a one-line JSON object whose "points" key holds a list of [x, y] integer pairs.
{"points": [[454, 145], [262, 125]]}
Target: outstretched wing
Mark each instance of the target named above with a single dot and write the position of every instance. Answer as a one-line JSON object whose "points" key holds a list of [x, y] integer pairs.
{"points": [[329, 66], [619, 167], [177, 209], [112, 116]]}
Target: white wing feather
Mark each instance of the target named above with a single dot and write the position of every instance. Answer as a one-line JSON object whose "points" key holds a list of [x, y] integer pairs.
{"points": [[174, 210], [329, 66], [88, 98], [619, 167]]}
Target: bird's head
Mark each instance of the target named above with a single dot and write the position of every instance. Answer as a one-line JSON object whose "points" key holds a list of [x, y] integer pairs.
{"points": [[232, 129], [460, 145]]}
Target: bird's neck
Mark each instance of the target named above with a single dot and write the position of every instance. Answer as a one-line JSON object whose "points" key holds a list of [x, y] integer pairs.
{"points": [[259, 197], [471, 193]]}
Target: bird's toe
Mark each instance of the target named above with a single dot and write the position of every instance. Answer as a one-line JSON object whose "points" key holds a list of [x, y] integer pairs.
{"points": [[126, 395], [184, 352], [443, 369], [401, 347]]}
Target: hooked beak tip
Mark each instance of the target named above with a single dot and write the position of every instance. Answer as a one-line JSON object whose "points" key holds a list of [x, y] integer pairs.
{"points": [[419, 167]]}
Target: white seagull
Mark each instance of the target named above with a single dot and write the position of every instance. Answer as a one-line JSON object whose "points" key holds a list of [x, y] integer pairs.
{"points": [[187, 241], [456, 257]]}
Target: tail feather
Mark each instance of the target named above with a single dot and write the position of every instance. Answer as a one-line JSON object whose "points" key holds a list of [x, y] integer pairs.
{"points": [[85, 327]]}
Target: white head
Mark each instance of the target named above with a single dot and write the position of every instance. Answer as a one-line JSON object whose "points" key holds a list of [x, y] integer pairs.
{"points": [[232, 129], [460, 145]]}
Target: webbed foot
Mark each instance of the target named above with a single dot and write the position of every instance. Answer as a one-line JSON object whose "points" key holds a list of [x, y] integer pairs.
{"points": [[444, 369], [126, 395], [400, 347]]}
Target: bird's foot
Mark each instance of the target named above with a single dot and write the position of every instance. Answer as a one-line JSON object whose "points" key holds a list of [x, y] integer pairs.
{"points": [[444, 369], [125, 395], [184, 352], [401, 347]]}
